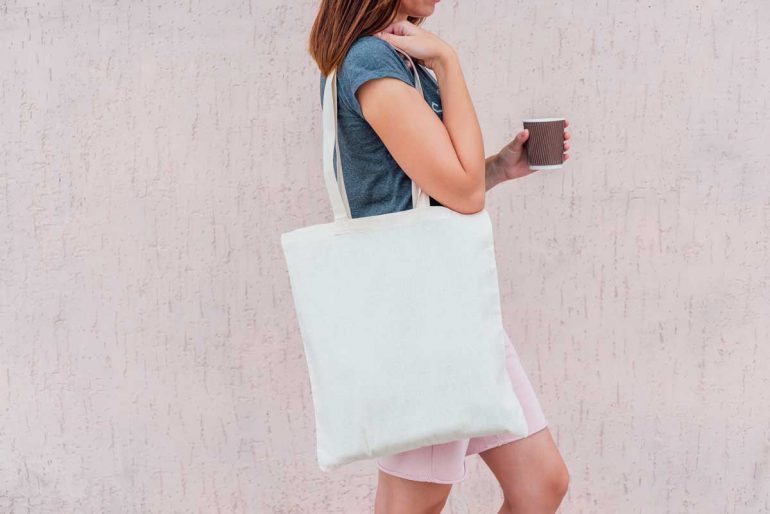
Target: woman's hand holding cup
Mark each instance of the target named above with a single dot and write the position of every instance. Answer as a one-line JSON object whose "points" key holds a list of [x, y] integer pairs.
{"points": [[513, 161]]}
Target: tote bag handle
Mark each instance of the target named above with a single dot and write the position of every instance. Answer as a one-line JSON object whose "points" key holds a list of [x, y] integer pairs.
{"points": [[336, 187]]}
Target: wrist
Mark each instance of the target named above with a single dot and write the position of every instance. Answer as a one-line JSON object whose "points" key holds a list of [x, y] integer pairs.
{"points": [[446, 59], [494, 171]]}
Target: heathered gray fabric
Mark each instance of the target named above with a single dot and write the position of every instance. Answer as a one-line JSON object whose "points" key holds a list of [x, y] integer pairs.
{"points": [[374, 182]]}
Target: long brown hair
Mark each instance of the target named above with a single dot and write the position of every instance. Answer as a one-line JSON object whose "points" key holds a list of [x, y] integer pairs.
{"points": [[340, 22]]}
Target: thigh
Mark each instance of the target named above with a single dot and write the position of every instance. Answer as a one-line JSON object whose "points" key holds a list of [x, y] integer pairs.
{"points": [[442, 463], [397, 495], [525, 393], [418, 481], [527, 465]]}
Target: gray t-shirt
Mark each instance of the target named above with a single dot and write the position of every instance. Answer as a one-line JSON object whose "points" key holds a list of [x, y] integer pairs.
{"points": [[374, 182]]}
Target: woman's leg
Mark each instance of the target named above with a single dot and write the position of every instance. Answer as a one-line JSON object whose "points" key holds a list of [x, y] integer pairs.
{"points": [[531, 472], [396, 495]]}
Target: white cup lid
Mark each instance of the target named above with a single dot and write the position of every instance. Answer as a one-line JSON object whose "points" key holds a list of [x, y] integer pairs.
{"points": [[543, 119]]}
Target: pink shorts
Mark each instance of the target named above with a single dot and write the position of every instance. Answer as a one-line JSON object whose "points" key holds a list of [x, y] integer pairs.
{"points": [[445, 463]]}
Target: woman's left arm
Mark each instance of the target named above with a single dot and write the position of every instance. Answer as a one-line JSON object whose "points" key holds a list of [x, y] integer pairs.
{"points": [[511, 161]]}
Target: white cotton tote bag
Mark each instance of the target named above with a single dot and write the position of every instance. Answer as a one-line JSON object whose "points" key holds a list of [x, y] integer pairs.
{"points": [[400, 319]]}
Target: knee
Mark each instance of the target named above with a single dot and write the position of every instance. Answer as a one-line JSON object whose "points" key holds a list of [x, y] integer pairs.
{"points": [[559, 482], [396, 495], [435, 505], [400, 505], [555, 485], [429, 504], [545, 496]]}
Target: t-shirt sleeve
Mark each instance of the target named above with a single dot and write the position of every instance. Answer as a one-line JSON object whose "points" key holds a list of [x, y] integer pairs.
{"points": [[369, 58]]}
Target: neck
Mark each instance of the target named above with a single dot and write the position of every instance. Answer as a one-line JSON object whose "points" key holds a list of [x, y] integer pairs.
{"points": [[400, 16]]}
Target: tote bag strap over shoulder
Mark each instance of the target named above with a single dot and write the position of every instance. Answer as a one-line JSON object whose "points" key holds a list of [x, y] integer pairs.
{"points": [[336, 187]]}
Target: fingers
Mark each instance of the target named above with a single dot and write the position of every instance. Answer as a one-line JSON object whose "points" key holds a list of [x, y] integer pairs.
{"points": [[567, 135], [516, 147], [403, 28], [521, 137], [390, 38]]}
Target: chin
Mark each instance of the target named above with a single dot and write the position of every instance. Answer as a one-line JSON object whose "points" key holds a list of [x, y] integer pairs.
{"points": [[422, 8]]}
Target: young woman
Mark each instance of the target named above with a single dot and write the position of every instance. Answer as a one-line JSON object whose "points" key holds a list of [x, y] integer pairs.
{"points": [[389, 135]]}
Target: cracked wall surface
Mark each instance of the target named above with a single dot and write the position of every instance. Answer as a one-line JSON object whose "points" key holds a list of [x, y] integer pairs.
{"points": [[151, 154]]}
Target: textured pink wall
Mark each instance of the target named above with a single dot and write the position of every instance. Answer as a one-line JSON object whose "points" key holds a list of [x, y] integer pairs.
{"points": [[153, 152]]}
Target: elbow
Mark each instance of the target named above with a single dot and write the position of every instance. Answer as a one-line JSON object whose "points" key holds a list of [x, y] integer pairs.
{"points": [[474, 201]]}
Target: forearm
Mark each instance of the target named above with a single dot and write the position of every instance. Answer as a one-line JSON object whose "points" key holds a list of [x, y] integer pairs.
{"points": [[459, 117], [493, 173]]}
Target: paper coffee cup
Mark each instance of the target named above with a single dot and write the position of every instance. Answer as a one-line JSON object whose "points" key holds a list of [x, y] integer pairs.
{"points": [[545, 145]]}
